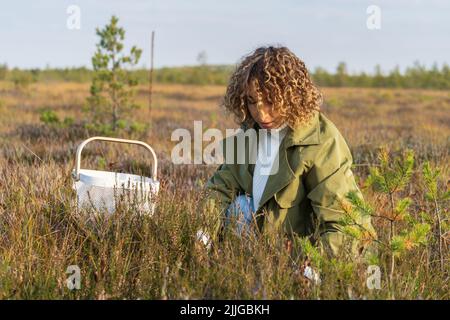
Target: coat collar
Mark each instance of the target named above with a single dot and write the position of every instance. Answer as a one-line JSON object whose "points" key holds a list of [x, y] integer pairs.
{"points": [[305, 134]]}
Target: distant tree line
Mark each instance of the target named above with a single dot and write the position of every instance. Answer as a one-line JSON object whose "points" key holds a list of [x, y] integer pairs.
{"points": [[415, 76]]}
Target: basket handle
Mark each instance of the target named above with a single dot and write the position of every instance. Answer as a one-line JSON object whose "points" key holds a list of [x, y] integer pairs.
{"points": [[85, 142]]}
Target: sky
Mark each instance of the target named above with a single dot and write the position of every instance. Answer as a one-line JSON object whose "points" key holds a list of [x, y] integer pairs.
{"points": [[34, 34]]}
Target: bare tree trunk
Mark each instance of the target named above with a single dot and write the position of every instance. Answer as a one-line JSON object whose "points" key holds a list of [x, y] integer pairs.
{"points": [[439, 235], [151, 76], [391, 236], [115, 110]]}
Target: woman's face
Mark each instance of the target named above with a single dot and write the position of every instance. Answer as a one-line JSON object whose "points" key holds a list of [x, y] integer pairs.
{"points": [[265, 115]]}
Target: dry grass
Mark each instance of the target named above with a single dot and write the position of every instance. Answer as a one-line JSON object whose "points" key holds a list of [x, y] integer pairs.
{"points": [[140, 257]]}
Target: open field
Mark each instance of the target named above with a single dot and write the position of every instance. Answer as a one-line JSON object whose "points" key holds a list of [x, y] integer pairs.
{"points": [[140, 257]]}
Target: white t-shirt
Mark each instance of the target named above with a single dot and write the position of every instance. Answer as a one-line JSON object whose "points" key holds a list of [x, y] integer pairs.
{"points": [[266, 160]]}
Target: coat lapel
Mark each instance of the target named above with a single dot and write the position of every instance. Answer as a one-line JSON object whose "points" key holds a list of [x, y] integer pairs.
{"points": [[303, 135], [281, 179]]}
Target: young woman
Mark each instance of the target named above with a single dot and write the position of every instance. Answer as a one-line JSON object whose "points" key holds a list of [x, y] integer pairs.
{"points": [[271, 89]]}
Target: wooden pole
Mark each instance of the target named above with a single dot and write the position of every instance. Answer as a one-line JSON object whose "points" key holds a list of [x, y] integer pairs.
{"points": [[151, 76]]}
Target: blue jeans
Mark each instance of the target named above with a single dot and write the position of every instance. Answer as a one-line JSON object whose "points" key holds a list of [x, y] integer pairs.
{"points": [[243, 209]]}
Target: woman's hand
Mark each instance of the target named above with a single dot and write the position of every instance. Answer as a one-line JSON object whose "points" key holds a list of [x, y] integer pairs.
{"points": [[305, 269], [203, 240], [309, 273]]}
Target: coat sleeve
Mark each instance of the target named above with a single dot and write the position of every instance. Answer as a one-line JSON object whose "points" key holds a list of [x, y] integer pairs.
{"points": [[221, 189], [327, 182]]}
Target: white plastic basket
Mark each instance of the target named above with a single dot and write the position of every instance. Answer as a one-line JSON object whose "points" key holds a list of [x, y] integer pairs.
{"points": [[101, 190]]}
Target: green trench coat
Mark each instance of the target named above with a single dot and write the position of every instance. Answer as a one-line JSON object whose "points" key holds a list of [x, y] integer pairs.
{"points": [[303, 196]]}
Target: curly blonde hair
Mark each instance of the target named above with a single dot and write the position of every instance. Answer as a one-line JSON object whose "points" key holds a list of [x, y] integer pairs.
{"points": [[281, 79]]}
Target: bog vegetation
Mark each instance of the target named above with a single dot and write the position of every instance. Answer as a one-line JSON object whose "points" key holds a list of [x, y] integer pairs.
{"points": [[130, 256]]}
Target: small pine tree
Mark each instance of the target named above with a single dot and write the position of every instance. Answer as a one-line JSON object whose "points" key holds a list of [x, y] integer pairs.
{"points": [[391, 177], [111, 89]]}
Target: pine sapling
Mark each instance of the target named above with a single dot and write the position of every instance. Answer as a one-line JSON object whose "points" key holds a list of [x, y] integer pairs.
{"points": [[391, 177], [111, 89]]}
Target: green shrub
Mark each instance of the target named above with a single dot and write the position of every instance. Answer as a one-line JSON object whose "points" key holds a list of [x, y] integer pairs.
{"points": [[49, 117]]}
